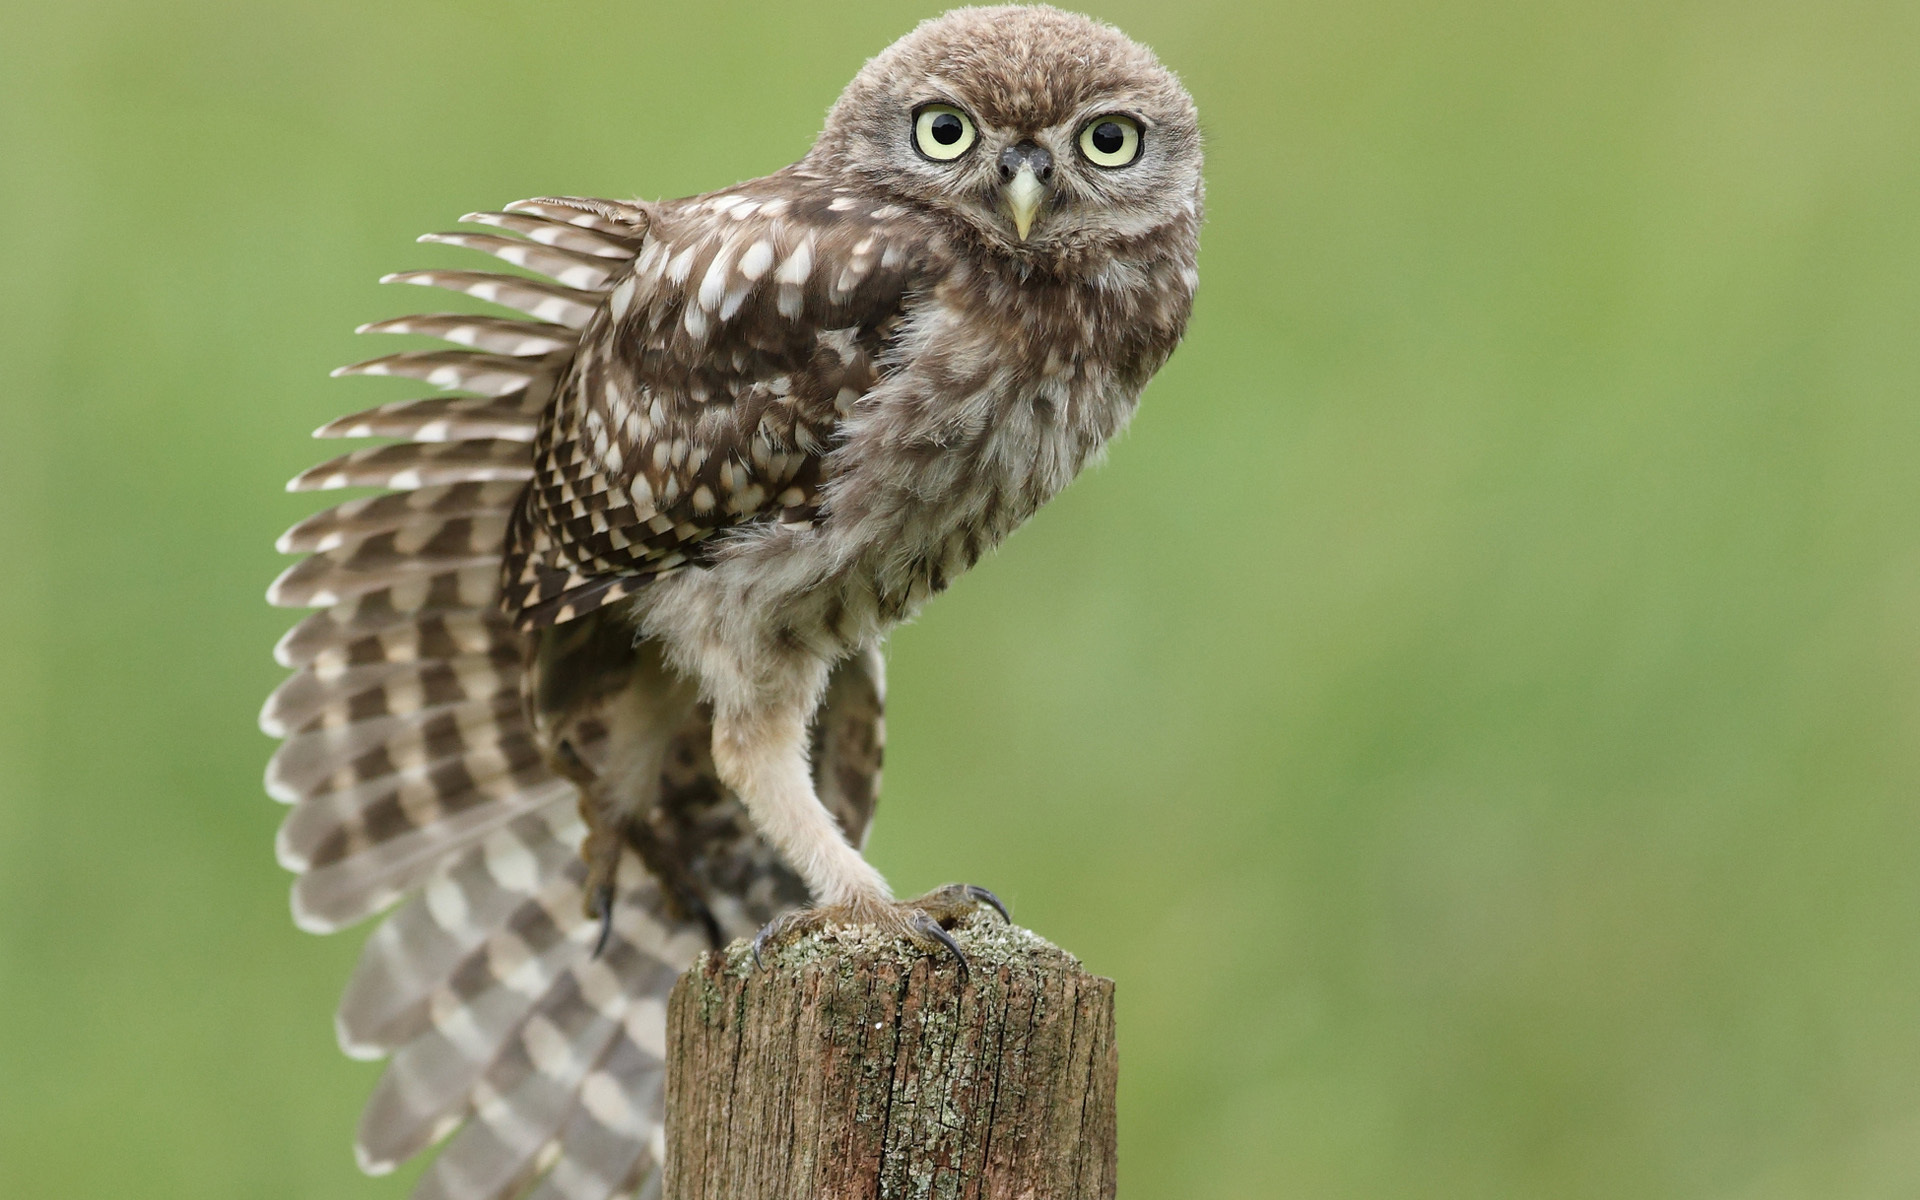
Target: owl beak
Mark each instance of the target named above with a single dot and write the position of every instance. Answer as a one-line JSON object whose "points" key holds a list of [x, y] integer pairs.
{"points": [[1024, 194], [1026, 168]]}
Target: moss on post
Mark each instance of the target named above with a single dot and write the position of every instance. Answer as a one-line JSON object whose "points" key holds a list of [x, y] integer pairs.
{"points": [[854, 1066]]}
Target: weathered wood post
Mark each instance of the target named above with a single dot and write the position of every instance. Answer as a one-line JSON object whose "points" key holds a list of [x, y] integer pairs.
{"points": [[850, 1066]]}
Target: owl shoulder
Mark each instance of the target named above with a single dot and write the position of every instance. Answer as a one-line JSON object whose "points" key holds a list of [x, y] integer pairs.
{"points": [[760, 264]]}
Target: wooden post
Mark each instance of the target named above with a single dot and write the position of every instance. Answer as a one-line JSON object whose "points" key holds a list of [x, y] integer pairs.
{"points": [[851, 1066]]}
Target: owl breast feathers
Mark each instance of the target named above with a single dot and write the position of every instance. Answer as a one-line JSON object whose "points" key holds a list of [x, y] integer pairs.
{"points": [[597, 682]]}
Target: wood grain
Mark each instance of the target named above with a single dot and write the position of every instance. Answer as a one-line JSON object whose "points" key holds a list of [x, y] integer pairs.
{"points": [[853, 1068]]}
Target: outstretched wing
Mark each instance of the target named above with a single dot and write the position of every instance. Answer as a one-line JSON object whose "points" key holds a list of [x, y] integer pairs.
{"points": [[415, 775], [707, 391]]}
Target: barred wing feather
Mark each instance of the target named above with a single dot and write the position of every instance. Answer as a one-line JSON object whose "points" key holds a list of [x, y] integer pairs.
{"points": [[412, 772]]}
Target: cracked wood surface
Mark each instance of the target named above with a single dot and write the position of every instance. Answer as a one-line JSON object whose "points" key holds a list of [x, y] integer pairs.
{"points": [[850, 1066]]}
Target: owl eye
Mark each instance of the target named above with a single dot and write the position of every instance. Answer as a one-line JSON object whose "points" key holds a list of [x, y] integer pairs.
{"points": [[942, 132], [1111, 141]]}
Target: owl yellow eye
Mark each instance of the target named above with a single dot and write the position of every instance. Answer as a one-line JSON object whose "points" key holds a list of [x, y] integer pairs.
{"points": [[1111, 141], [942, 132]]}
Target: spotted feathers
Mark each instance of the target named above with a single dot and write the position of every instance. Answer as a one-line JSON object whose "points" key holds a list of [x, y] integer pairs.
{"points": [[416, 776], [708, 392]]}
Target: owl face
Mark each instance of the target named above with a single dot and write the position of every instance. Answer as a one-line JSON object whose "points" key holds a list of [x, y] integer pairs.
{"points": [[1043, 132]]}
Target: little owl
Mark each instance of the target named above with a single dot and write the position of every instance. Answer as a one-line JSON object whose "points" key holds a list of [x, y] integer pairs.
{"points": [[596, 683]]}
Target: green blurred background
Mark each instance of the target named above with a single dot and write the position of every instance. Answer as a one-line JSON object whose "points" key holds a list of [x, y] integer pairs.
{"points": [[1475, 715]]}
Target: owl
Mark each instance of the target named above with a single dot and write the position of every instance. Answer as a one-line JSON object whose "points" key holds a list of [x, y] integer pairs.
{"points": [[595, 683]]}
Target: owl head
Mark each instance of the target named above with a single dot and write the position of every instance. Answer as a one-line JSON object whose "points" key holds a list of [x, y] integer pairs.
{"points": [[1042, 133]]}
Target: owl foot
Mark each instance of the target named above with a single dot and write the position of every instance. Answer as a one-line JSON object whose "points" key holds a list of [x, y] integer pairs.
{"points": [[601, 850], [923, 921], [600, 907], [608, 836]]}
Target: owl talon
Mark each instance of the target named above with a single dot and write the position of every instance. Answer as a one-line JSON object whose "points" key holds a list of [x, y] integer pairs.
{"points": [[925, 921], [971, 894], [603, 909], [952, 903], [772, 931], [992, 901], [924, 924]]}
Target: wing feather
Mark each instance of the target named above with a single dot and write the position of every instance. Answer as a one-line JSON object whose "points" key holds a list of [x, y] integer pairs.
{"points": [[710, 391], [346, 890], [334, 638], [395, 510], [307, 760], [381, 559], [414, 774], [316, 698], [612, 1140], [552, 302], [619, 222], [572, 268], [419, 464], [513, 416], [437, 935], [498, 335], [470, 370], [429, 1080], [563, 234]]}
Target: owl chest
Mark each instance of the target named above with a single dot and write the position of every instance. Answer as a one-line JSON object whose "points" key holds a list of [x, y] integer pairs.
{"points": [[911, 521]]}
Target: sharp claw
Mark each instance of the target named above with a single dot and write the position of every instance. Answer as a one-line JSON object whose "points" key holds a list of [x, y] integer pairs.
{"points": [[603, 906], [761, 939], [926, 925], [986, 897]]}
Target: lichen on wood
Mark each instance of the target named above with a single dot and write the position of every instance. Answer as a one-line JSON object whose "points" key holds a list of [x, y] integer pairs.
{"points": [[852, 1065]]}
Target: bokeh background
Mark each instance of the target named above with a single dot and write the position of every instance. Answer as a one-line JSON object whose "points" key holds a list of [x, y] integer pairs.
{"points": [[1475, 714]]}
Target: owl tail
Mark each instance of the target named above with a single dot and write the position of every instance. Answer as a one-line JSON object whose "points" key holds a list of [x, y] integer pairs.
{"points": [[414, 776]]}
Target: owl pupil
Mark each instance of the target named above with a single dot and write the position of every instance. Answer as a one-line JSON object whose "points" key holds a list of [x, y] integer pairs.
{"points": [[946, 129], [1107, 138]]}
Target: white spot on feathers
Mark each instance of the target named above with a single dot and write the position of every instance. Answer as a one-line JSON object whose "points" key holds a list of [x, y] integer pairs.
{"points": [[447, 904], [713, 284], [754, 263], [681, 265], [622, 298], [798, 266]]}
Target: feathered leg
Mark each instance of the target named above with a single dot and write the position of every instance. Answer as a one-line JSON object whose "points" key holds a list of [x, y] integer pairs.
{"points": [[760, 750], [761, 753], [607, 707]]}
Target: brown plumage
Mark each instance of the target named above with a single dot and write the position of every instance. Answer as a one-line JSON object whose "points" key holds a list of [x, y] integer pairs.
{"points": [[598, 682]]}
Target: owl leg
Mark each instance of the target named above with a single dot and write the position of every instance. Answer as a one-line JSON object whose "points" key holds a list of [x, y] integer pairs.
{"points": [[601, 848], [762, 755], [611, 830]]}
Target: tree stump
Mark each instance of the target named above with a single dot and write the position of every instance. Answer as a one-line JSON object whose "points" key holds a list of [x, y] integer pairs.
{"points": [[851, 1066]]}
